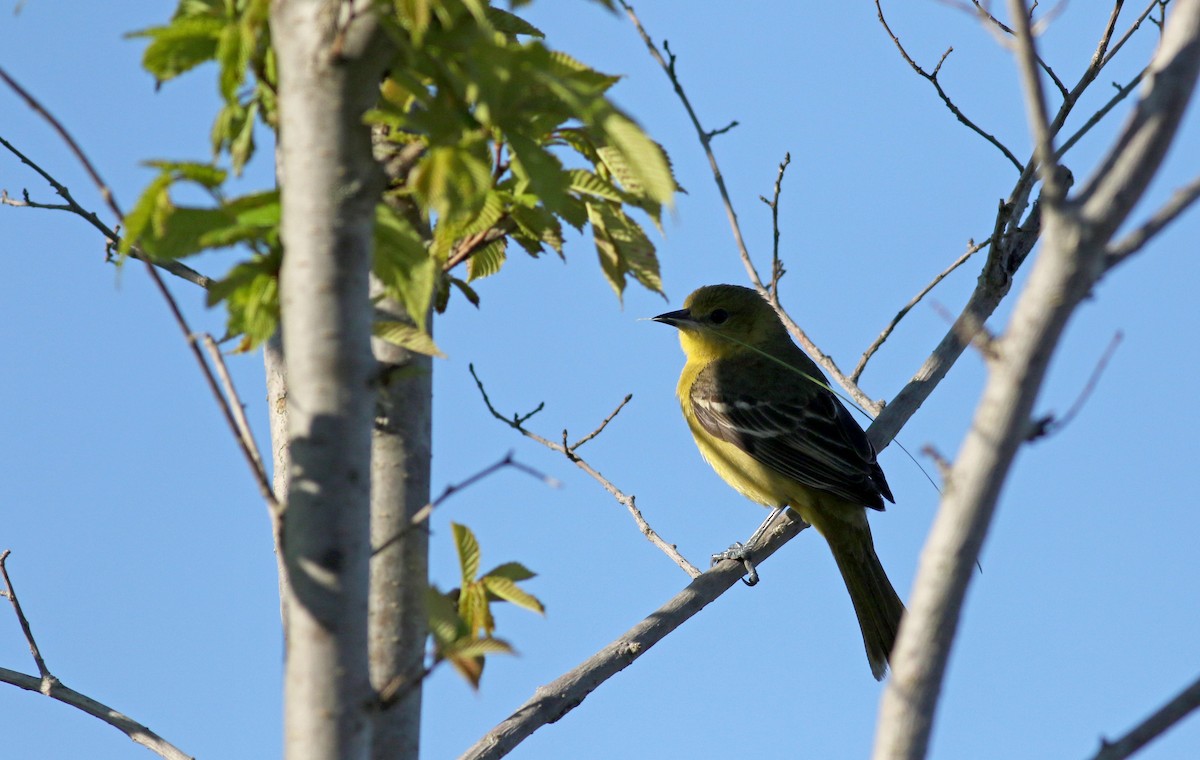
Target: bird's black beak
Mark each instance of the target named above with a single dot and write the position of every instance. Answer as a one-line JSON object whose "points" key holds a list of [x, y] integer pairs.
{"points": [[674, 318]]}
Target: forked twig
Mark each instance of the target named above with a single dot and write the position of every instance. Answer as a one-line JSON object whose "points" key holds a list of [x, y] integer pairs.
{"points": [[629, 501], [48, 685]]}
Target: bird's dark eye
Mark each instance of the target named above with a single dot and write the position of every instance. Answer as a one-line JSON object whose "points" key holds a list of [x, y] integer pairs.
{"points": [[718, 316]]}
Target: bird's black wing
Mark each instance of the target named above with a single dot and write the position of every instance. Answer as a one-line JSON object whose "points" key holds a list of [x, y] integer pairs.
{"points": [[791, 424]]}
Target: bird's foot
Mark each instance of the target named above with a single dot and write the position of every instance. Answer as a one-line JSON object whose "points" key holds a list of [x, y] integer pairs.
{"points": [[738, 553]]}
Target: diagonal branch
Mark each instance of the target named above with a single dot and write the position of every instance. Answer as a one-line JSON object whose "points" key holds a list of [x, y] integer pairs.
{"points": [[932, 78], [1152, 727], [210, 378], [48, 685]]}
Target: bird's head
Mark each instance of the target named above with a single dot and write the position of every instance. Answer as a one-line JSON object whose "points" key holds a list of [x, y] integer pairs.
{"points": [[719, 320]]}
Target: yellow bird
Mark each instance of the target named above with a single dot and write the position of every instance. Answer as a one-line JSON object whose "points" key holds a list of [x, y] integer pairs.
{"points": [[764, 418]]}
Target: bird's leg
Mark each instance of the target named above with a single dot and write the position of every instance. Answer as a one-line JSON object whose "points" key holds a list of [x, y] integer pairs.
{"points": [[740, 552]]}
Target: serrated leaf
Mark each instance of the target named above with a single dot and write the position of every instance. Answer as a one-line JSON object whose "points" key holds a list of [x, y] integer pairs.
{"points": [[623, 248], [644, 158], [509, 591], [487, 260], [181, 46], [139, 218], [466, 290], [584, 181], [474, 609], [444, 623], [468, 551], [514, 571], [540, 225], [471, 647], [251, 295], [407, 336], [510, 23], [206, 175], [470, 668]]}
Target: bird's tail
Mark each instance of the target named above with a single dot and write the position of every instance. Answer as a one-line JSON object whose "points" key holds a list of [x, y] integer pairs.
{"points": [[876, 603]]}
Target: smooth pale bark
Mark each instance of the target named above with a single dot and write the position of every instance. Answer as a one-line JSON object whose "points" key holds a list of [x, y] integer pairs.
{"points": [[400, 461], [1077, 234], [330, 60]]}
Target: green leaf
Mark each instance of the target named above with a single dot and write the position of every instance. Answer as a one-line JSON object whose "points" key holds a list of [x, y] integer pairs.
{"points": [[514, 571], [180, 46], [583, 181], [510, 23], [466, 290], [452, 181], [251, 294], [206, 175], [474, 609], [139, 218], [543, 171], [185, 232], [623, 248], [645, 160], [509, 591], [487, 261], [444, 623], [468, 551], [403, 264], [407, 336], [470, 647]]}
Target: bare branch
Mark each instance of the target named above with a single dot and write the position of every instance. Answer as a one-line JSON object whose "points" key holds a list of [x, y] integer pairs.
{"points": [[172, 304], [421, 516], [776, 265], [48, 685], [1049, 425], [629, 501], [932, 78], [1154, 726], [1180, 201], [1035, 103], [182, 271], [972, 249], [1072, 261]]}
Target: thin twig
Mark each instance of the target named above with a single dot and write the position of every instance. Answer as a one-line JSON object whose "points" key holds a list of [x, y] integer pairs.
{"points": [[48, 685], [986, 14], [972, 249], [10, 593], [1050, 425], [422, 515], [599, 428], [776, 265], [822, 358], [182, 271], [1181, 200], [932, 78], [1153, 727], [629, 501], [1035, 104]]}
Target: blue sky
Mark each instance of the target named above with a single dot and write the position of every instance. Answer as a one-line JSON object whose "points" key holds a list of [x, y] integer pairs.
{"points": [[142, 553]]}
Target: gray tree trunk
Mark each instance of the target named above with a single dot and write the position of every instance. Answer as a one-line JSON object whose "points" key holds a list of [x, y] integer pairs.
{"points": [[330, 60]]}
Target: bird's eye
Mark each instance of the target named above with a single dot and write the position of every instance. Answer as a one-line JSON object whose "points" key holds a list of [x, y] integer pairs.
{"points": [[718, 316]]}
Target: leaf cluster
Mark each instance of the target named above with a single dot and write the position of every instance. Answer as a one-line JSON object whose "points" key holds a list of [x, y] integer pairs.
{"points": [[487, 135], [461, 621]]}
